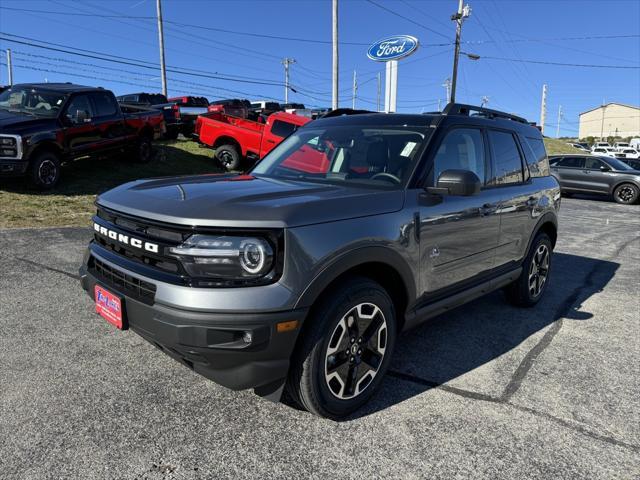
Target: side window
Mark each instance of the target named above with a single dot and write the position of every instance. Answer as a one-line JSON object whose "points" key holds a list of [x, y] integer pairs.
{"points": [[104, 104], [507, 162], [538, 164], [593, 164], [572, 162], [79, 103], [461, 149], [283, 129]]}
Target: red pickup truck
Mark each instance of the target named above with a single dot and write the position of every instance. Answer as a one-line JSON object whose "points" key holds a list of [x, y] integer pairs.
{"points": [[235, 138]]}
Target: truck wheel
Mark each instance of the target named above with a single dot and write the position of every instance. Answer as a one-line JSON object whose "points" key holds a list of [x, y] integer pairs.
{"points": [[528, 289], [228, 156], [627, 194], [145, 150], [45, 170], [345, 349]]}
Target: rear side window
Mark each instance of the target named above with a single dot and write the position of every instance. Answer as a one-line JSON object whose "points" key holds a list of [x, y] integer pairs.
{"points": [[536, 156], [283, 129], [507, 163], [461, 149], [104, 104], [571, 162]]}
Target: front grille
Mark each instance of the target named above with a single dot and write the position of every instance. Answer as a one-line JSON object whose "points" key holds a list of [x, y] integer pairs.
{"points": [[119, 280]]}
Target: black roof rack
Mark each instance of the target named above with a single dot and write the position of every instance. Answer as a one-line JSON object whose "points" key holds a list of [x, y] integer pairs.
{"points": [[462, 109], [344, 111]]}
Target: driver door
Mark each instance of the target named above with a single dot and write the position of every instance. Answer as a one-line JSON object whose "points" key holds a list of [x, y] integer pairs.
{"points": [[81, 134]]}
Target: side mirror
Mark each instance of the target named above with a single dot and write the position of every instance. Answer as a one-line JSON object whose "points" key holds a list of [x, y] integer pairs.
{"points": [[457, 182], [605, 168]]}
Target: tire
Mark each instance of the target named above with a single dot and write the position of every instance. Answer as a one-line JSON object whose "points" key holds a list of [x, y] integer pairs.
{"points": [[339, 324], [45, 170], [144, 150], [228, 156], [626, 193], [533, 281]]}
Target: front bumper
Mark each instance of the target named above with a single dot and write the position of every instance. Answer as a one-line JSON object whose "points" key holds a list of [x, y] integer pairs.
{"points": [[212, 344], [12, 168]]}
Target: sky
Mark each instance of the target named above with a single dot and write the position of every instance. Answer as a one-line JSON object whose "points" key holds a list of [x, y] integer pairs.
{"points": [[507, 35]]}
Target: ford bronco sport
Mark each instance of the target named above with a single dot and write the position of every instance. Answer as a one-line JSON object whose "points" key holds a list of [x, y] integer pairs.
{"points": [[301, 273]]}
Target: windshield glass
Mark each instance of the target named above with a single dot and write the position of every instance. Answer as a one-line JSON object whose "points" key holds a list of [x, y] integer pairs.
{"points": [[617, 164], [32, 101], [357, 155]]}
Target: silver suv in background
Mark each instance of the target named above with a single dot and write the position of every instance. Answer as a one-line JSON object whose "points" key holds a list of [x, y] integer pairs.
{"points": [[599, 175]]}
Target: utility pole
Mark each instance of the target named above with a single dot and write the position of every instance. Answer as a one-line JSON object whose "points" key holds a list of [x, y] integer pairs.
{"points": [[9, 67], [559, 117], [463, 12], [355, 90], [334, 93], [604, 109], [378, 100], [286, 62], [447, 85], [543, 108], [163, 72]]}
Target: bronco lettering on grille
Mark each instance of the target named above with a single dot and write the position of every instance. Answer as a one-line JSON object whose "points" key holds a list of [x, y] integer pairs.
{"points": [[125, 239]]}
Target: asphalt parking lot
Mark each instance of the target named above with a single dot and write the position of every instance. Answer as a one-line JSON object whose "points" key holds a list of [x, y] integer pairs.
{"points": [[490, 391]]}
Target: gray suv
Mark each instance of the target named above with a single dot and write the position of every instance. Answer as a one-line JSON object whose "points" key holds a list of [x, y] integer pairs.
{"points": [[599, 175], [301, 273]]}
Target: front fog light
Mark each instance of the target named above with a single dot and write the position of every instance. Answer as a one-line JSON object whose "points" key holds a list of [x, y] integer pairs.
{"points": [[225, 257]]}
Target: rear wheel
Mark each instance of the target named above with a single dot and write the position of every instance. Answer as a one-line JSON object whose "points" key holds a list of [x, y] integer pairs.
{"points": [[45, 170], [345, 350], [627, 193], [144, 152], [528, 289], [228, 156]]}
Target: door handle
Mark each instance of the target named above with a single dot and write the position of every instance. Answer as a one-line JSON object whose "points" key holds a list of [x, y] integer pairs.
{"points": [[586, 171], [270, 141]]}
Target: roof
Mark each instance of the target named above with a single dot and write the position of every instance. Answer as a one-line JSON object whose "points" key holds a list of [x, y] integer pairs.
{"points": [[611, 103]]}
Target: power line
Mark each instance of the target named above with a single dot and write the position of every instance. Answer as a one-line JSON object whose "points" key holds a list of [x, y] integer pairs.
{"points": [[406, 18], [542, 62]]}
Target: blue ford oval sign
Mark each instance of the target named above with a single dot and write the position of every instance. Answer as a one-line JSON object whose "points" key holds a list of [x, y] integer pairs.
{"points": [[392, 48]]}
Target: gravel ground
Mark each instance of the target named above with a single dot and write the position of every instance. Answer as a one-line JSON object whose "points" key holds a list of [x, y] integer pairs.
{"points": [[490, 391]]}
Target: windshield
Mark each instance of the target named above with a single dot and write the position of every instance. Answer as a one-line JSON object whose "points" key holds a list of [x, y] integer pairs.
{"points": [[32, 101], [357, 155], [617, 164]]}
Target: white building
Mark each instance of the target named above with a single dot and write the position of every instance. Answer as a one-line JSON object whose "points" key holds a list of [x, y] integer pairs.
{"points": [[610, 120]]}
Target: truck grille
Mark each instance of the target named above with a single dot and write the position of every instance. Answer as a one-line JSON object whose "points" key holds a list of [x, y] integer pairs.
{"points": [[119, 280]]}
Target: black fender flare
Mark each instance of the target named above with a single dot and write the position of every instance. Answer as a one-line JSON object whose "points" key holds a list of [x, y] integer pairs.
{"points": [[352, 259], [549, 217]]}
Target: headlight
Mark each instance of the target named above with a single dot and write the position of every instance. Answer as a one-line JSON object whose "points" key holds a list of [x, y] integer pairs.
{"points": [[225, 257], [10, 146]]}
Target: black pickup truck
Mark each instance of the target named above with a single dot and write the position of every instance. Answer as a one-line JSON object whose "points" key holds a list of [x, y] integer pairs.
{"points": [[43, 125], [171, 111]]}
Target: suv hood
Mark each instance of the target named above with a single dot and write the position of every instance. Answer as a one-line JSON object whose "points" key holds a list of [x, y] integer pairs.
{"points": [[246, 201]]}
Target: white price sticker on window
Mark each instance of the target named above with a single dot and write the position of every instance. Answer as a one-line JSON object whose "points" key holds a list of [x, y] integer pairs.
{"points": [[408, 149]]}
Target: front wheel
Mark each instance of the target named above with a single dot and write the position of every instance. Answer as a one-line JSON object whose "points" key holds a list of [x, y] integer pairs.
{"points": [[627, 194], [45, 170], [345, 349], [528, 289]]}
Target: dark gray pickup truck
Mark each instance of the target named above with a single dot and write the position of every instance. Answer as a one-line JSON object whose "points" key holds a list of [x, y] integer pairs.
{"points": [[302, 272]]}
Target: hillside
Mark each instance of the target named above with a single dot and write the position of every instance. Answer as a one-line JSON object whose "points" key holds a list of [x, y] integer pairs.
{"points": [[555, 147]]}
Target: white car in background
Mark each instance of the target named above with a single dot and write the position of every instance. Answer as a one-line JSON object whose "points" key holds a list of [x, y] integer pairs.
{"points": [[600, 145], [607, 151], [630, 153], [578, 146], [619, 146]]}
